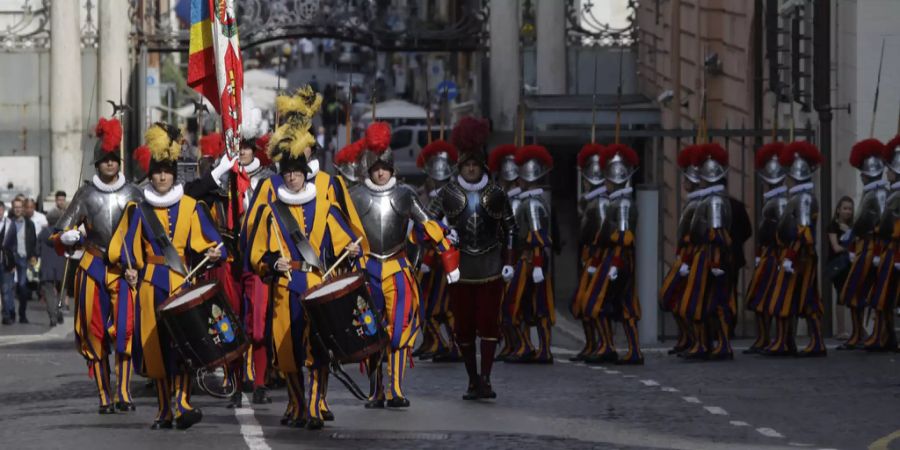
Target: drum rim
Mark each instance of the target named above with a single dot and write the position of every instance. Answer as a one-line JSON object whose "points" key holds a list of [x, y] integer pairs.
{"points": [[366, 351], [226, 359], [180, 309], [338, 293]]}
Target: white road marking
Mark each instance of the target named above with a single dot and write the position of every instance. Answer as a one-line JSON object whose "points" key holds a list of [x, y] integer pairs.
{"points": [[58, 332], [613, 372], [563, 361], [649, 383], [716, 410], [768, 432], [739, 423], [691, 400], [629, 376], [250, 428], [799, 444], [668, 389]]}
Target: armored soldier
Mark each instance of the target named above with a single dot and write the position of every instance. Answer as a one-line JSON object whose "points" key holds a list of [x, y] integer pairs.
{"points": [[867, 157], [674, 283], [385, 208], [766, 264], [532, 302], [884, 295], [346, 161], [709, 299], [101, 292], [436, 160], [479, 211], [155, 240], [795, 292]]}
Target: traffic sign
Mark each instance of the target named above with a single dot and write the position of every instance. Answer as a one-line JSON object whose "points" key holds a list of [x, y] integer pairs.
{"points": [[447, 88]]}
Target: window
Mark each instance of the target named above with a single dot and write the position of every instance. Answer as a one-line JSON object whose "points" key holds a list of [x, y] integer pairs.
{"points": [[401, 139]]}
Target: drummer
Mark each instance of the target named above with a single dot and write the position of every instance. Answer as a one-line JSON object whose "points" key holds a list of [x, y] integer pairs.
{"points": [[154, 243], [297, 219]]}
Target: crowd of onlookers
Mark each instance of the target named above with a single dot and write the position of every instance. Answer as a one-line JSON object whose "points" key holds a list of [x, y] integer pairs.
{"points": [[30, 267]]}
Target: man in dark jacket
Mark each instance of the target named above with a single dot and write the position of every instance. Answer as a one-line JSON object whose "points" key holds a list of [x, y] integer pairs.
{"points": [[51, 274], [20, 240]]}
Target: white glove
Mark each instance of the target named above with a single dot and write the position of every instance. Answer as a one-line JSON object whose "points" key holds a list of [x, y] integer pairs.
{"points": [[684, 270], [876, 261], [756, 263], [453, 277], [788, 266], [852, 256], [424, 268], [537, 274], [613, 273], [225, 164], [717, 272], [70, 238], [591, 270], [453, 237], [897, 266], [507, 273]]}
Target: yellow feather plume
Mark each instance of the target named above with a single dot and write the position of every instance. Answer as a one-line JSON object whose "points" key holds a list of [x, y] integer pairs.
{"points": [[290, 138], [162, 147], [305, 102]]}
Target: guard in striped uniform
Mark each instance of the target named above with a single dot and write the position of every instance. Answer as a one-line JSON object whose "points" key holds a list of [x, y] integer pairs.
{"points": [[885, 292], [767, 251], [795, 292], [867, 156], [154, 243], [385, 208]]}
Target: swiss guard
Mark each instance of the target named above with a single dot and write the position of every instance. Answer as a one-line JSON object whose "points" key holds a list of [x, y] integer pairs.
{"points": [[884, 295]]}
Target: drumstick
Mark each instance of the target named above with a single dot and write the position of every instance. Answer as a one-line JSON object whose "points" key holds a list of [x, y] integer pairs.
{"points": [[202, 263], [341, 259], [280, 250]]}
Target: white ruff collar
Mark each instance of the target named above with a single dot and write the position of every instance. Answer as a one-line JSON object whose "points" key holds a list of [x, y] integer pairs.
{"points": [[595, 193], [434, 193], [297, 198], [895, 186], [113, 187], [163, 200], [514, 192], [875, 185], [774, 192], [313, 167], [253, 166], [621, 193], [531, 193], [386, 187], [802, 188], [696, 194], [472, 187]]}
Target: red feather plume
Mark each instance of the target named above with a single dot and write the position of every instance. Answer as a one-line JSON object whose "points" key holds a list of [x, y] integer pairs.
{"points": [[212, 145], [627, 153], [262, 143], [434, 148], [766, 152], [142, 157], [686, 156], [587, 151], [539, 152], [716, 152], [110, 133], [470, 134], [803, 149], [378, 137], [495, 158], [349, 153], [864, 149]]}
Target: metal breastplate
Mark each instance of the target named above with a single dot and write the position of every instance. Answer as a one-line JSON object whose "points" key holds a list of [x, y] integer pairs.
{"points": [[478, 217], [621, 215], [772, 211], [592, 217], [801, 210], [384, 216], [532, 215], [871, 207], [713, 212], [684, 222], [99, 211], [890, 216]]}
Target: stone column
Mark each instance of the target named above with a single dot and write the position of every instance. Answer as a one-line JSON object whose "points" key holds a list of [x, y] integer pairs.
{"points": [[505, 68], [112, 59], [66, 124], [551, 47]]}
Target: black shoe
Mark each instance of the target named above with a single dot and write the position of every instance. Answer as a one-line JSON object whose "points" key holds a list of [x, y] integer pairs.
{"points": [[398, 402], [314, 423], [423, 349], [721, 356], [261, 396], [52, 323], [471, 392], [161, 425], [542, 360], [447, 357], [108, 409], [846, 346], [638, 361], [485, 390], [579, 357], [236, 400], [125, 406], [7, 322], [23, 319], [188, 419], [523, 359], [752, 351], [676, 350], [285, 419], [59, 318], [375, 404], [296, 423], [328, 416], [608, 357]]}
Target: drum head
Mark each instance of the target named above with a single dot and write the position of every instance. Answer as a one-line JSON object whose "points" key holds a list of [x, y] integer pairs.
{"points": [[188, 298], [335, 287]]}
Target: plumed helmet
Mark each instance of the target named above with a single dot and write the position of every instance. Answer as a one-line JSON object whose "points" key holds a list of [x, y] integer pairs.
{"points": [[534, 162], [767, 165], [801, 158], [164, 142], [109, 135], [892, 154], [589, 163], [712, 160], [618, 162], [469, 136], [377, 147], [685, 162], [502, 162], [867, 156], [437, 159], [347, 159]]}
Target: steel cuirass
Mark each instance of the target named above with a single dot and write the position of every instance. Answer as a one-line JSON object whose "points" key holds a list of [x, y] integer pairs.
{"points": [[713, 212], [99, 211], [385, 216], [532, 215], [593, 215], [890, 216], [869, 213], [687, 215], [802, 207], [772, 211]]}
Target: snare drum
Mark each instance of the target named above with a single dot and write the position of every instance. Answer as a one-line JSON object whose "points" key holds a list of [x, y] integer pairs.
{"points": [[202, 326], [344, 318]]}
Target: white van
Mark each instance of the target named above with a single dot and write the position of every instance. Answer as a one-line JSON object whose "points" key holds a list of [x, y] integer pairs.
{"points": [[406, 143]]}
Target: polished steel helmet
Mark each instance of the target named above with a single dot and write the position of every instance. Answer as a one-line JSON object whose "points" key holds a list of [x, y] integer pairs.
{"points": [[800, 170], [531, 170], [509, 170], [617, 170], [692, 173], [772, 172], [591, 171], [349, 170], [872, 166], [438, 167], [369, 158], [894, 163], [711, 171]]}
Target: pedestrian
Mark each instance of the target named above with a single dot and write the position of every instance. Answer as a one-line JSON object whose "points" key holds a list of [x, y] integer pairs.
{"points": [[37, 217], [59, 207], [7, 271], [51, 273], [314, 83], [839, 239], [20, 240]]}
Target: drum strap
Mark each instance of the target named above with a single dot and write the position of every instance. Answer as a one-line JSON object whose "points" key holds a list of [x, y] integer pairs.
{"points": [[173, 260], [348, 382], [297, 237]]}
